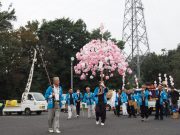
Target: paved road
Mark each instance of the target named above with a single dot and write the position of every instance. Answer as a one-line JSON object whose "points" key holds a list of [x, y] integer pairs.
{"points": [[37, 125]]}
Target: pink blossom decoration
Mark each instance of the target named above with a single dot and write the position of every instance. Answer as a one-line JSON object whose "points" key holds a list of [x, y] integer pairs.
{"points": [[129, 71], [100, 56]]}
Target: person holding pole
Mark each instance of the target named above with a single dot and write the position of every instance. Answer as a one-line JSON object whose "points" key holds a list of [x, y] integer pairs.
{"points": [[101, 101], [53, 96]]}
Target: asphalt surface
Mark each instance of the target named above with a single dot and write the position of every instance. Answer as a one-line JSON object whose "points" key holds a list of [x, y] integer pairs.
{"points": [[37, 125]]}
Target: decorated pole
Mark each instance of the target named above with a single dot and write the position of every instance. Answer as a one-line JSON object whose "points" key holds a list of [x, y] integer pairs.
{"points": [[155, 84], [101, 76], [101, 32], [171, 81], [166, 80], [160, 79], [123, 80], [136, 81]]}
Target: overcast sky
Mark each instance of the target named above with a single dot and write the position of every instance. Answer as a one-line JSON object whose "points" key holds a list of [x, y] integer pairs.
{"points": [[162, 16]]}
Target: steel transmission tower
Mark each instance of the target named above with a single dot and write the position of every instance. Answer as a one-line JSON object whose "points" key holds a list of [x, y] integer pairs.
{"points": [[135, 34]]}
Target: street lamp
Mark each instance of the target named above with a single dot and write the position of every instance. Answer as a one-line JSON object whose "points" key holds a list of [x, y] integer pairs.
{"points": [[72, 59], [6, 71]]}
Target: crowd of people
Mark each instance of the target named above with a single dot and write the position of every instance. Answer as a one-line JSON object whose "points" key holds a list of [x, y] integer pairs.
{"points": [[137, 101], [96, 102], [130, 102]]}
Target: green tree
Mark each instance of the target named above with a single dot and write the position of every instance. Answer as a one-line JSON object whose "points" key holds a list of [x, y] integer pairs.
{"points": [[168, 63], [7, 57], [96, 34], [60, 40], [152, 66], [174, 65], [6, 18]]}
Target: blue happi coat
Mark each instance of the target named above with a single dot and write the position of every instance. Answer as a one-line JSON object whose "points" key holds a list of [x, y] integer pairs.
{"points": [[48, 97], [81, 96], [146, 94], [124, 97], [117, 99], [96, 91], [89, 98], [68, 98], [163, 96]]}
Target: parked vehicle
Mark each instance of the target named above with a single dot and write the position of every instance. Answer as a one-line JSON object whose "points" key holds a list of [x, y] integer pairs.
{"points": [[30, 101], [34, 102]]}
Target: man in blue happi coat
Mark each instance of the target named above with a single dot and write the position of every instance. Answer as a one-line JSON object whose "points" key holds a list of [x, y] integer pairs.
{"points": [[101, 101], [160, 102], [54, 97]]}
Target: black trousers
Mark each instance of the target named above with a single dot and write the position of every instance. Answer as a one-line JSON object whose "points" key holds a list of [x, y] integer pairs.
{"points": [[118, 110], [131, 110], [159, 111], [78, 108], [144, 111], [1, 111], [166, 109], [101, 112]]}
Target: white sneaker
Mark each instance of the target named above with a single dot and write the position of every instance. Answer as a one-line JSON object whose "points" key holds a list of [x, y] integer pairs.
{"points": [[69, 118], [102, 124], [58, 131], [146, 119], [97, 122], [50, 130]]}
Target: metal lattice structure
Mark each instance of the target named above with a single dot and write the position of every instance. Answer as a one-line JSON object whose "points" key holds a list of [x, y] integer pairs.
{"points": [[135, 34]]}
